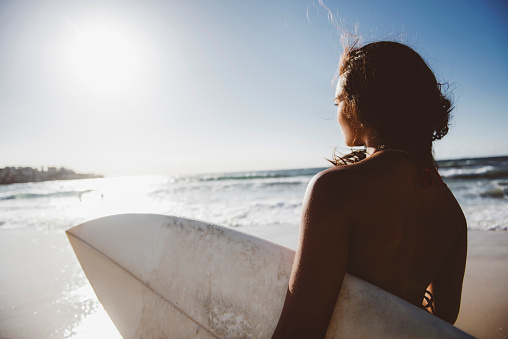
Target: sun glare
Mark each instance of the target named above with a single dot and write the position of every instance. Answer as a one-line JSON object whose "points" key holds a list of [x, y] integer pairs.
{"points": [[104, 59]]}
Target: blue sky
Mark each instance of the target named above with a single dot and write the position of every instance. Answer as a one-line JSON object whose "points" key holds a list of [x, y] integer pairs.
{"points": [[157, 87]]}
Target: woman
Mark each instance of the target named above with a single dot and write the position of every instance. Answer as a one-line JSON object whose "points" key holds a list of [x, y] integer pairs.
{"points": [[382, 214]]}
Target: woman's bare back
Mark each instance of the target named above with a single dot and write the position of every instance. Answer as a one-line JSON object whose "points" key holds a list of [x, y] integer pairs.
{"points": [[404, 230], [375, 220]]}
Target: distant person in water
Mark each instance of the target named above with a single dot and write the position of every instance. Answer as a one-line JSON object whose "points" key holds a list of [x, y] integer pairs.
{"points": [[383, 213]]}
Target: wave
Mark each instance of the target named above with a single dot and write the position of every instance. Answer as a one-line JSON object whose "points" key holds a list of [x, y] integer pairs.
{"points": [[498, 162], [261, 174], [285, 183], [487, 172], [496, 193], [474, 168], [468, 168], [45, 195]]}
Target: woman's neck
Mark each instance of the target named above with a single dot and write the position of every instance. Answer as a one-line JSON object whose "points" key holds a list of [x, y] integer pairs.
{"points": [[374, 144]]}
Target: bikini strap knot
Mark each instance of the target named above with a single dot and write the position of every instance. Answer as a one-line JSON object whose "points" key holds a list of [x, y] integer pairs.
{"points": [[429, 298]]}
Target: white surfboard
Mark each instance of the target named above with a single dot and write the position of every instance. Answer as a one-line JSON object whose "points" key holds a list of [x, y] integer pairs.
{"points": [[168, 277]]}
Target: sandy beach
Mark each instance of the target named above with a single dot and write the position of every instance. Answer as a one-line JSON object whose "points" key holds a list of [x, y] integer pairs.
{"points": [[484, 305], [44, 293]]}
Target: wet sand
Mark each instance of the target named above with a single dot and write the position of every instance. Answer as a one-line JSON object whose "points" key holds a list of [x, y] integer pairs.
{"points": [[484, 305], [44, 293]]}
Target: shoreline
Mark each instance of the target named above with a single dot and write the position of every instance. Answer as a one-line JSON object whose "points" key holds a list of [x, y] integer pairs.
{"points": [[43, 291]]}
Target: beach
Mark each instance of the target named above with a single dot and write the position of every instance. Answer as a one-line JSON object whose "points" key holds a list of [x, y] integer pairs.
{"points": [[43, 291], [45, 294], [484, 304]]}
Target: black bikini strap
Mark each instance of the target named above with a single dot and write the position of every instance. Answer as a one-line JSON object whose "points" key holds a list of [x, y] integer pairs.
{"points": [[430, 301]]}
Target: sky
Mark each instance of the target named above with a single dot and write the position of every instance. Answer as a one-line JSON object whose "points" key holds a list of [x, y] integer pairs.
{"points": [[197, 86]]}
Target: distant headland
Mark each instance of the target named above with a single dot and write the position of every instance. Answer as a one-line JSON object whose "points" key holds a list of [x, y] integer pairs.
{"points": [[14, 175]]}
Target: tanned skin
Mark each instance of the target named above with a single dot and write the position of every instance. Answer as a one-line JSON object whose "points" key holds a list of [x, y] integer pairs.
{"points": [[375, 220]]}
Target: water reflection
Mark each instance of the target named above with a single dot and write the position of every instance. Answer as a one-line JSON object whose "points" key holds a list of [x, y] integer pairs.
{"points": [[95, 325]]}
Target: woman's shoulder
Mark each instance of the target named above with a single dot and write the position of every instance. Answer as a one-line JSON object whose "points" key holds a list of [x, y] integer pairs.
{"points": [[369, 169], [337, 175], [338, 185], [380, 176]]}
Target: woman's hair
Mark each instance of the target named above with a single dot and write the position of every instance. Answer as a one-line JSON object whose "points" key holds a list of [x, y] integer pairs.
{"points": [[390, 88]]}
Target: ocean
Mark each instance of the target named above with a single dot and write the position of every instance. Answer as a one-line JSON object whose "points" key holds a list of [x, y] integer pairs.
{"points": [[258, 198], [45, 294]]}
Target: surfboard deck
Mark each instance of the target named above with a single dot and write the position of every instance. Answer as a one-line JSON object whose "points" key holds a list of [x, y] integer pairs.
{"points": [[163, 276]]}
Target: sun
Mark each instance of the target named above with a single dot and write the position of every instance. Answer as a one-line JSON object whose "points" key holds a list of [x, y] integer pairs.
{"points": [[104, 59]]}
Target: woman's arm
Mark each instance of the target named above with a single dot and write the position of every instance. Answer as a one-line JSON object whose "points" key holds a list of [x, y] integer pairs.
{"points": [[320, 263], [447, 285]]}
